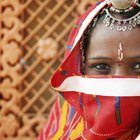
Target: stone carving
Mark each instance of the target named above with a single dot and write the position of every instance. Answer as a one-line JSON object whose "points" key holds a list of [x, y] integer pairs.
{"points": [[10, 54], [47, 48], [84, 5], [10, 40], [32, 125]]}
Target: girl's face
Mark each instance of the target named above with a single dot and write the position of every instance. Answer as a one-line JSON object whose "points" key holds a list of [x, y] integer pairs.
{"points": [[113, 53]]}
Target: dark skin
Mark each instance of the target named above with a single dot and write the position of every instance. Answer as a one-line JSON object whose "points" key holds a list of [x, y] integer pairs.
{"points": [[102, 52]]}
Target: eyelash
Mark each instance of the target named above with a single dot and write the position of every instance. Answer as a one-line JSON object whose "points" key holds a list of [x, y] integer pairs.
{"points": [[96, 66], [136, 68], [107, 67]]}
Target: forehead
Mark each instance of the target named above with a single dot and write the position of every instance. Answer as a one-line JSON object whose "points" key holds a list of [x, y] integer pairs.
{"points": [[104, 41]]}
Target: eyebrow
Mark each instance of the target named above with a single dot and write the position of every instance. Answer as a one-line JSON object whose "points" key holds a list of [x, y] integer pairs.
{"points": [[135, 57], [97, 58], [109, 58]]}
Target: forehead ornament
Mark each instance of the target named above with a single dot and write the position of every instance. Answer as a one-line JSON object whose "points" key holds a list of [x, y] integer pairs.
{"points": [[120, 52], [121, 24], [121, 6]]}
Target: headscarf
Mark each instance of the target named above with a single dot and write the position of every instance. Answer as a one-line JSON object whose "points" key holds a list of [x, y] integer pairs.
{"points": [[109, 105]]}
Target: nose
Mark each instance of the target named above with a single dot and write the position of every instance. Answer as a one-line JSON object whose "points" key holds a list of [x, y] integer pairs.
{"points": [[120, 70]]}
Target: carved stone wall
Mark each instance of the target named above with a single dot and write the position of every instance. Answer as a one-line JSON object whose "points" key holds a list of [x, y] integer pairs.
{"points": [[29, 29], [10, 70]]}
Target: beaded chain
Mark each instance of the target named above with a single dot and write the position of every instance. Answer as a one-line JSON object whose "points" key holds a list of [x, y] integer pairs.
{"points": [[121, 24]]}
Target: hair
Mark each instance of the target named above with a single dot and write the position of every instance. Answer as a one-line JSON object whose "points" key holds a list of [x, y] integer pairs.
{"points": [[85, 39]]}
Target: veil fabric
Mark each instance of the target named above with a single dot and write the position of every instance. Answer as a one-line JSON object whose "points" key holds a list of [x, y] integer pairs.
{"points": [[95, 107]]}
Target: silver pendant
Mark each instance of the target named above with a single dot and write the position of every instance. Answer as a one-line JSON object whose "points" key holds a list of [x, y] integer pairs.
{"points": [[121, 24]]}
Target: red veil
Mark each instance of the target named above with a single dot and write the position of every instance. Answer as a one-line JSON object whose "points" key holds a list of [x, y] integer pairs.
{"points": [[88, 110]]}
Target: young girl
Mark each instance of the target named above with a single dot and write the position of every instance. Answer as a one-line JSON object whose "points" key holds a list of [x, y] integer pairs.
{"points": [[99, 78]]}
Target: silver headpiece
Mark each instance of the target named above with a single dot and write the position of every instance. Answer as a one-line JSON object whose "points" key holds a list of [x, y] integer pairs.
{"points": [[122, 5], [121, 24]]}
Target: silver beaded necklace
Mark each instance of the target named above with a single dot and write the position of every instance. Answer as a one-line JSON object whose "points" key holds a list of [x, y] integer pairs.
{"points": [[121, 24]]}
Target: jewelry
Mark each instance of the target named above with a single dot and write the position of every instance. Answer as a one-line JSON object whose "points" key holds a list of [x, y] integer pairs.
{"points": [[122, 24], [120, 52], [122, 6]]}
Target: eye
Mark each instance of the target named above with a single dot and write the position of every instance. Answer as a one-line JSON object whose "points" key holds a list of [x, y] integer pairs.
{"points": [[101, 67], [136, 67]]}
